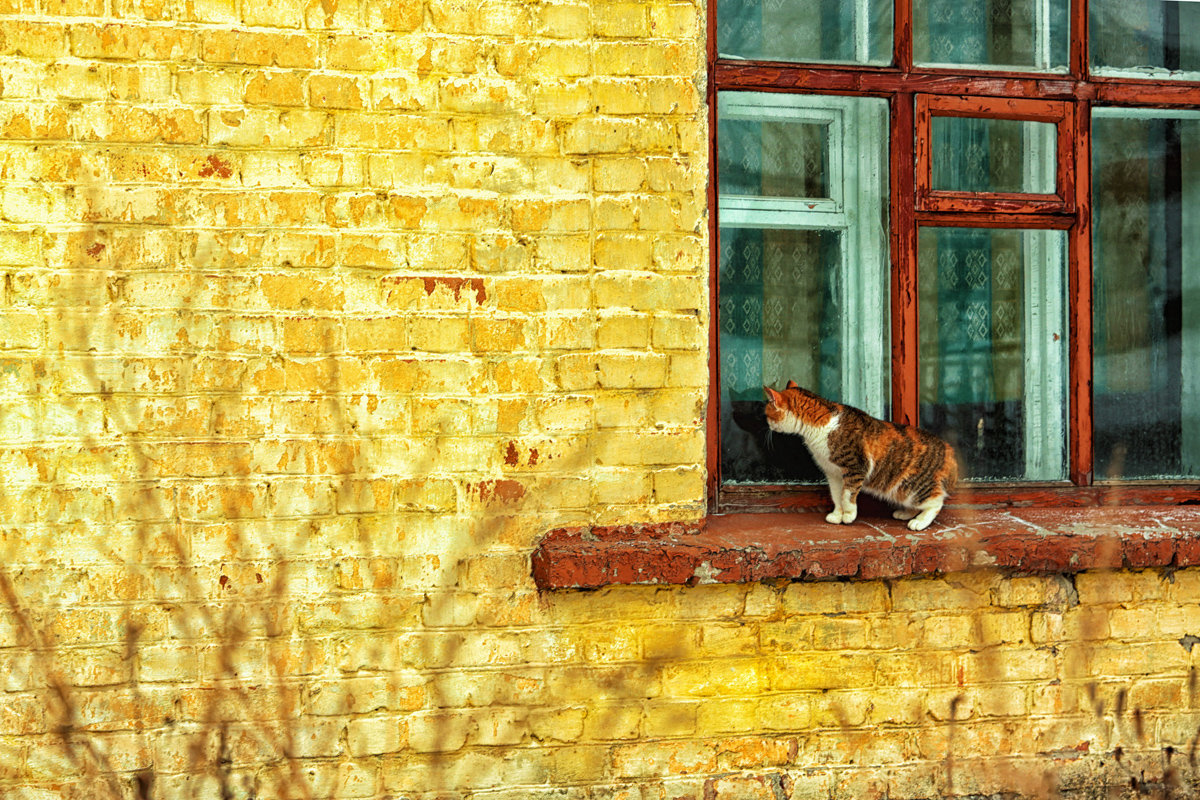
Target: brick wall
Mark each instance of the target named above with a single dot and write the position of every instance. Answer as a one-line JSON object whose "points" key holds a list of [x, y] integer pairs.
{"points": [[316, 316]]}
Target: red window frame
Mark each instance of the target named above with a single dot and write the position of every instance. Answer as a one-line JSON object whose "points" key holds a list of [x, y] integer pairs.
{"points": [[1056, 112], [915, 94]]}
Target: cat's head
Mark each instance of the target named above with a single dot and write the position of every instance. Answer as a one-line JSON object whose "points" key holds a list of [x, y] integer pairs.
{"points": [[794, 406]]}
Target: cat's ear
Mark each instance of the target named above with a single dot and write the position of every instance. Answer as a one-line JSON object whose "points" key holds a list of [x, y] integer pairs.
{"points": [[772, 395], [793, 385]]}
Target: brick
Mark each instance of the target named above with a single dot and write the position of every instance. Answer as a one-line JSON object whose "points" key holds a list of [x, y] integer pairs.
{"points": [[258, 48], [558, 725], [1119, 659], [360, 53], [440, 334], [245, 127], [273, 14], [932, 593], [209, 86], [334, 91], [479, 95], [32, 39], [623, 330], [20, 330], [375, 736], [680, 485], [631, 370], [649, 292], [432, 733], [1133, 623], [704, 679], [835, 597], [150, 83], [1099, 587], [1001, 628], [617, 449], [275, 89], [130, 41]]}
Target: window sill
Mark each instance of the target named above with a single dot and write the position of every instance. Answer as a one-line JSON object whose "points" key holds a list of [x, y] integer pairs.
{"points": [[741, 548]]}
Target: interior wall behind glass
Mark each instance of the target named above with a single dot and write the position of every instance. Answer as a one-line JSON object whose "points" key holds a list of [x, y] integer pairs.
{"points": [[992, 34], [780, 319], [1146, 289], [1145, 38], [993, 356], [972, 154], [846, 31]]}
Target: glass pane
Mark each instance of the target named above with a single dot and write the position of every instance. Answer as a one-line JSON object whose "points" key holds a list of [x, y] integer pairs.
{"points": [[1145, 38], [847, 31], [973, 154], [774, 158], [1146, 289], [1028, 35], [780, 313], [992, 306], [803, 285]]}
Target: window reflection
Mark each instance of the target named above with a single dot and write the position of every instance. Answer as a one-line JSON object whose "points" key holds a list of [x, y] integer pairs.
{"points": [[1145, 38], [993, 357], [992, 34], [1146, 289], [847, 31], [993, 155]]}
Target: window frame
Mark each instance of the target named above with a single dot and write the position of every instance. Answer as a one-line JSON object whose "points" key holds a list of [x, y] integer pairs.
{"points": [[1057, 112], [912, 92]]}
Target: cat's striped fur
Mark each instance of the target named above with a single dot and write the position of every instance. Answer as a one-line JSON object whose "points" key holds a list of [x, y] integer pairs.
{"points": [[905, 465]]}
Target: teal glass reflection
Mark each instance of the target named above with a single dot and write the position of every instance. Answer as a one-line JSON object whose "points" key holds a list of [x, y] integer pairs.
{"points": [[973, 154], [1145, 38], [1146, 290], [838, 31], [992, 375], [1024, 35]]}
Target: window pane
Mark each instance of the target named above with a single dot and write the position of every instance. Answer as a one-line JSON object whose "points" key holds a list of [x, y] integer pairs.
{"points": [[1145, 38], [781, 315], [803, 286], [1146, 289], [992, 34], [848, 31], [774, 158], [993, 155], [993, 357]]}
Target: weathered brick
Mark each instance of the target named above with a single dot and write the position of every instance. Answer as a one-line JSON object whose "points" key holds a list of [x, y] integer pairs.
{"points": [[375, 735], [258, 48], [334, 91], [1100, 587]]}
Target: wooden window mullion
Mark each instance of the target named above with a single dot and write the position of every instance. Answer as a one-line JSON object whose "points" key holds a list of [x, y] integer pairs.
{"points": [[902, 44], [905, 338], [1080, 305], [1077, 58]]}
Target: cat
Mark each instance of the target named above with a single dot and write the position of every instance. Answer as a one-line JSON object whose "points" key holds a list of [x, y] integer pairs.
{"points": [[899, 463]]}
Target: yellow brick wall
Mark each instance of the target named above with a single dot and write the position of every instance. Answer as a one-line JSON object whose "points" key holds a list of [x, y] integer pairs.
{"points": [[315, 316]]}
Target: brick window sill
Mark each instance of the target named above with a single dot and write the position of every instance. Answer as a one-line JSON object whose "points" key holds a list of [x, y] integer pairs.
{"points": [[740, 548]]}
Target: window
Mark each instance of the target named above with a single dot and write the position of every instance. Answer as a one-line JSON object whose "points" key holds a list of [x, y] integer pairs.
{"points": [[980, 216]]}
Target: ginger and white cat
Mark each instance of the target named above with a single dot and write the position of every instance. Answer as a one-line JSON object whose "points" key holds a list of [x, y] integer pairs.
{"points": [[898, 463]]}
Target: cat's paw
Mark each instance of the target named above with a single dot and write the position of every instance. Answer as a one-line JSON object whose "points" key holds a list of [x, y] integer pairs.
{"points": [[834, 517], [904, 514], [918, 524], [849, 515]]}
